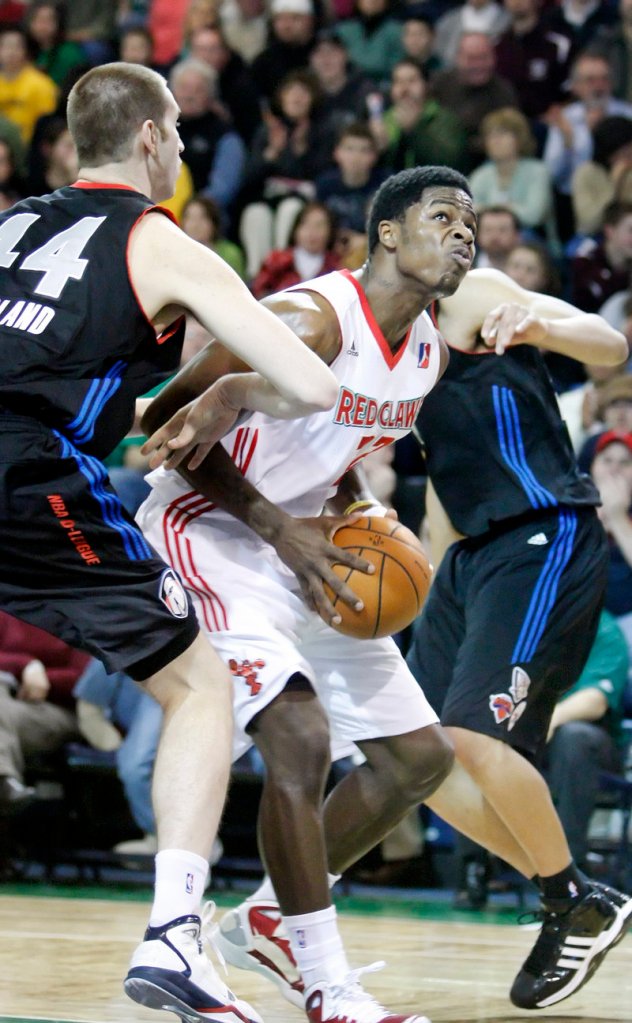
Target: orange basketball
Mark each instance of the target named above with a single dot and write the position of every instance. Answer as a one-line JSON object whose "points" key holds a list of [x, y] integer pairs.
{"points": [[394, 595]]}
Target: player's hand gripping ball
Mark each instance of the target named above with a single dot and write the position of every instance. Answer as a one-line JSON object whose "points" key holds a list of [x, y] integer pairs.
{"points": [[395, 593]]}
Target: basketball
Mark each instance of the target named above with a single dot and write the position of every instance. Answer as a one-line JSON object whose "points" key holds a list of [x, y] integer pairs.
{"points": [[395, 593]]}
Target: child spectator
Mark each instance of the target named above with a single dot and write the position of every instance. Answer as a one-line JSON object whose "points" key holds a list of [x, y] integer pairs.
{"points": [[348, 190], [310, 252], [605, 178], [418, 39], [136, 46], [60, 160], [602, 267]]}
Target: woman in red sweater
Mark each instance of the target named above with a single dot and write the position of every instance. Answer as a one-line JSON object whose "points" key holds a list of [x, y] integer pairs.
{"points": [[309, 254]]}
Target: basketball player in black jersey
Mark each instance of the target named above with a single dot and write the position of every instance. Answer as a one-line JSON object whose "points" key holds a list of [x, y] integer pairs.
{"points": [[514, 606], [94, 281], [495, 308]]}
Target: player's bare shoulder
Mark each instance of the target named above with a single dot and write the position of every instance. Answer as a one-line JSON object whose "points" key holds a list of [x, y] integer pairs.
{"points": [[310, 316]]}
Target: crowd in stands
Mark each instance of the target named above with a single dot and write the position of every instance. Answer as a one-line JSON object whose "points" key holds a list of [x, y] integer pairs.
{"points": [[292, 114]]}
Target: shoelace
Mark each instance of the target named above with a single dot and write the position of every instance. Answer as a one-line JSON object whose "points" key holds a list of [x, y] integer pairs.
{"points": [[208, 931], [350, 993]]}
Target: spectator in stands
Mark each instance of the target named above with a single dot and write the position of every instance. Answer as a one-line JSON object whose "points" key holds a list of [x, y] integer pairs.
{"points": [[114, 714], [309, 254], [472, 88], [136, 46], [344, 89], [580, 20], [585, 736], [12, 186], [498, 234], [373, 39], [10, 134], [529, 264], [165, 22], [92, 24], [611, 469], [292, 37], [606, 178], [602, 267], [418, 39], [214, 153], [569, 140], [513, 176], [25, 92], [611, 414], [60, 160], [533, 58], [417, 129], [485, 16], [293, 146], [348, 189], [236, 89], [201, 220], [199, 14], [38, 672], [245, 26], [54, 54], [612, 41]]}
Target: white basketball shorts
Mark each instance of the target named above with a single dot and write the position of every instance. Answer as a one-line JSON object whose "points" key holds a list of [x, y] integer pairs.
{"points": [[249, 604]]}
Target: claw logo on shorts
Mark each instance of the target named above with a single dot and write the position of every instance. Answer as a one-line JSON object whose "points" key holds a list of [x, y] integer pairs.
{"points": [[248, 671], [511, 706], [172, 594]]}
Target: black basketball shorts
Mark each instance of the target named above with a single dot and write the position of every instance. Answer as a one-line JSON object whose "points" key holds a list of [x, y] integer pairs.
{"points": [[74, 563], [509, 623]]}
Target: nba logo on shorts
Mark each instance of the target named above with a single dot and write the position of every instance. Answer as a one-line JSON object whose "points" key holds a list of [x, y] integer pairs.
{"points": [[172, 594], [189, 884]]}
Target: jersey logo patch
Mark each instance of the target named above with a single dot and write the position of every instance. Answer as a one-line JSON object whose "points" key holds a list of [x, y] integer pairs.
{"points": [[511, 706], [248, 670], [172, 594], [538, 540], [352, 350], [424, 355]]}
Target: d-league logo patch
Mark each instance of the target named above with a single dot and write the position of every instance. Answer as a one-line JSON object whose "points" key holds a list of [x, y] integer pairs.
{"points": [[171, 592], [511, 706], [248, 671], [424, 355]]}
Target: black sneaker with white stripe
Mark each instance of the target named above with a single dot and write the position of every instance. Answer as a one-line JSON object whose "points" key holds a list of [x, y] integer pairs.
{"points": [[571, 945]]}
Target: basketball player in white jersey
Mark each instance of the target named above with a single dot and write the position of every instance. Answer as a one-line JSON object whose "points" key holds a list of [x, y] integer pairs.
{"points": [[291, 671]]}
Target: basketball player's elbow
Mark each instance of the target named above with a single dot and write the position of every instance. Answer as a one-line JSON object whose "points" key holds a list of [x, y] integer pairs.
{"points": [[316, 392]]}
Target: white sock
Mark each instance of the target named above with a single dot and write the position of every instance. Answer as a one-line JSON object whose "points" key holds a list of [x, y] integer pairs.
{"points": [[317, 946], [179, 885], [265, 892]]}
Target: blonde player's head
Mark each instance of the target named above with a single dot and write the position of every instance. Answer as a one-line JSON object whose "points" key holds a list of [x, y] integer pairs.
{"points": [[108, 106]]}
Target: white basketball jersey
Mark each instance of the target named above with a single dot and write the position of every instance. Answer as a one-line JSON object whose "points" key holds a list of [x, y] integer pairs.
{"points": [[298, 463]]}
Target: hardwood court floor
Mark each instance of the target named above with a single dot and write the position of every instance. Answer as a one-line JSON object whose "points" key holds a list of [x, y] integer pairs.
{"points": [[64, 959]]}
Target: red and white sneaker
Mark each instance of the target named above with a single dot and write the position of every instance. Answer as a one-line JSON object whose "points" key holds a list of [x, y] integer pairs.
{"points": [[252, 937], [170, 970], [350, 1003]]}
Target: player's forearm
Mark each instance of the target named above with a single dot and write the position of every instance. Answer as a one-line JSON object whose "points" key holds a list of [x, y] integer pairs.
{"points": [[252, 392], [219, 479], [586, 337]]}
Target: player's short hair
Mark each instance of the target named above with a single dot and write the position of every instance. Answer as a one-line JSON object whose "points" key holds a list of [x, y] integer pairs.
{"points": [[401, 191], [108, 105]]}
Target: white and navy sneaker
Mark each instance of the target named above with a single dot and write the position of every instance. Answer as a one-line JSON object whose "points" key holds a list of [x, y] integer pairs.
{"points": [[571, 946], [170, 970], [252, 937]]}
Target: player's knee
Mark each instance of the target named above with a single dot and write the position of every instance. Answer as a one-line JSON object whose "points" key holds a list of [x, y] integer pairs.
{"points": [[300, 763], [430, 765]]}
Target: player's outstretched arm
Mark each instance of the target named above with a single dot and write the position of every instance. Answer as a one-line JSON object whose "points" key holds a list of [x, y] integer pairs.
{"points": [[170, 271], [492, 304]]}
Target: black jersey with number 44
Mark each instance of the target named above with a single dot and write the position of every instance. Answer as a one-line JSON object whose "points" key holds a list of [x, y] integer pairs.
{"points": [[496, 445], [77, 349]]}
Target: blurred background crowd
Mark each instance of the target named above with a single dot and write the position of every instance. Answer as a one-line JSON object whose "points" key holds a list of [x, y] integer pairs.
{"points": [[292, 113]]}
